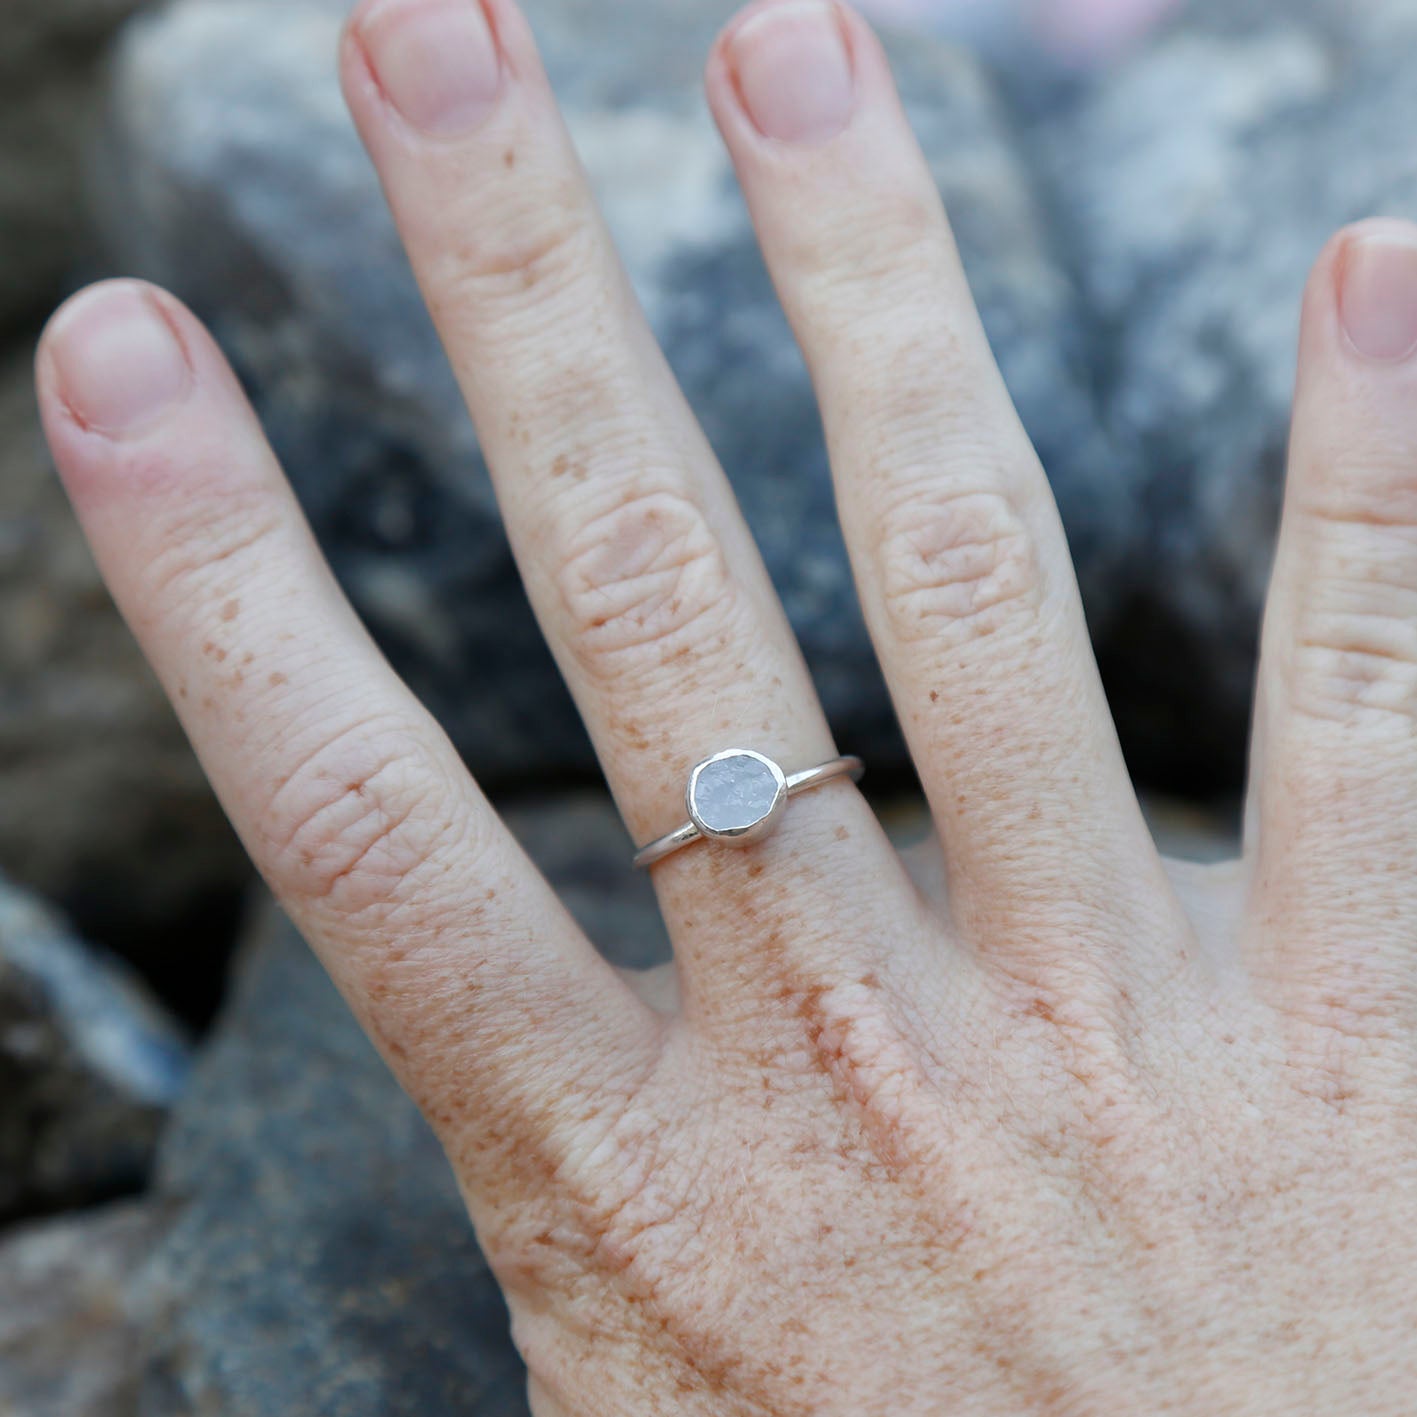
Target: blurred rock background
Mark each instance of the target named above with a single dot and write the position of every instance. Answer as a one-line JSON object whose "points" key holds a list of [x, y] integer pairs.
{"points": [[248, 1218]]}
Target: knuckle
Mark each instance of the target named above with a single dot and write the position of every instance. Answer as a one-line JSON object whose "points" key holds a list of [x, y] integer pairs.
{"points": [[1363, 497], [532, 253], [1354, 653], [1357, 666], [357, 819], [958, 567], [643, 582]]}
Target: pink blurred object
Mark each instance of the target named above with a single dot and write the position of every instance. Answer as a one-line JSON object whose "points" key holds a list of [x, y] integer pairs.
{"points": [[1087, 31]]}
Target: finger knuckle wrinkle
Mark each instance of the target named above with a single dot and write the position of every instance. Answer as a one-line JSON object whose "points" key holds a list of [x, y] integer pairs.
{"points": [[645, 577], [1357, 501], [537, 254], [963, 567], [1354, 666], [1353, 655], [354, 821]]}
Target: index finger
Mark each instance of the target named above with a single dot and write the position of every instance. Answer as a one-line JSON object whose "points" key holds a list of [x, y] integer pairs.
{"points": [[457, 957]]}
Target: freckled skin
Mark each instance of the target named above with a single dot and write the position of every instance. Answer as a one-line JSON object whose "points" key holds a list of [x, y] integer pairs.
{"points": [[1028, 1124], [946, 1207]]}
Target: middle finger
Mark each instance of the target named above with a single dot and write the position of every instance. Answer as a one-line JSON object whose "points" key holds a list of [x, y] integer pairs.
{"points": [[641, 570]]}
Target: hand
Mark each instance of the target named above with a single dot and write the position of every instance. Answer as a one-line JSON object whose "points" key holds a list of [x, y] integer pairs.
{"points": [[1090, 1137]]}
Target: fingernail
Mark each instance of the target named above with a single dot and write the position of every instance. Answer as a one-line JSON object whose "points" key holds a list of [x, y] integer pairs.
{"points": [[793, 72], [1378, 295], [116, 361], [435, 60]]}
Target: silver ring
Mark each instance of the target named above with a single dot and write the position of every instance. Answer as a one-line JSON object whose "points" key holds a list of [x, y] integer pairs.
{"points": [[737, 796]]}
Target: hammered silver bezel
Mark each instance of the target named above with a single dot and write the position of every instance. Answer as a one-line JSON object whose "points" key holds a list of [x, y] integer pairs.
{"points": [[739, 836]]}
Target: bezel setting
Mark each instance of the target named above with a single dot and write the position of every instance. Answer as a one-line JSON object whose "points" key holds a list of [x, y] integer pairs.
{"points": [[762, 814]]}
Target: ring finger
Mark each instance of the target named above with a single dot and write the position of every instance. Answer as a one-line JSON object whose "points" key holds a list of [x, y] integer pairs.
{"points": [[960, 557], [637, 561]]}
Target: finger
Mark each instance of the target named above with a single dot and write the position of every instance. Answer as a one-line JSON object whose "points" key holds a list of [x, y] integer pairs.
{"points": [[634, 553], [959, 554], [1334, 773], [459, 960]]}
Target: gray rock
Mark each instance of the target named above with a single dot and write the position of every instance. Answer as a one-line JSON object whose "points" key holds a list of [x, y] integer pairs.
{"points": [[102, 805], [48, 93], [233, 176], [1193, 188], [70, 1316], [322, 1261], [89, 1066]]}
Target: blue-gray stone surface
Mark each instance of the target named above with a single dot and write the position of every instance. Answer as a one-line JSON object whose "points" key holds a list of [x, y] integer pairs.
{"points": [[89, 1066], [1137, 243], [241, 185], [49, 65], [1190, 191]]}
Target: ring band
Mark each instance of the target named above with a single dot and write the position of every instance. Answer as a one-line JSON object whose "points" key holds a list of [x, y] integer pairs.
{"points": [[737, 796]]}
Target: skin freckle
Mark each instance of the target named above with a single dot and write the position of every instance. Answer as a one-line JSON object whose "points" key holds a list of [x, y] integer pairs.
{"points": [[276, 680], [230, 610]]}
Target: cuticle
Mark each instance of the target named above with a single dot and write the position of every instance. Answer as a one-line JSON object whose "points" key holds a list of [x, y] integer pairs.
{"points": [[355, 36], [844, 33], [151, 299], [1342, 262]]}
